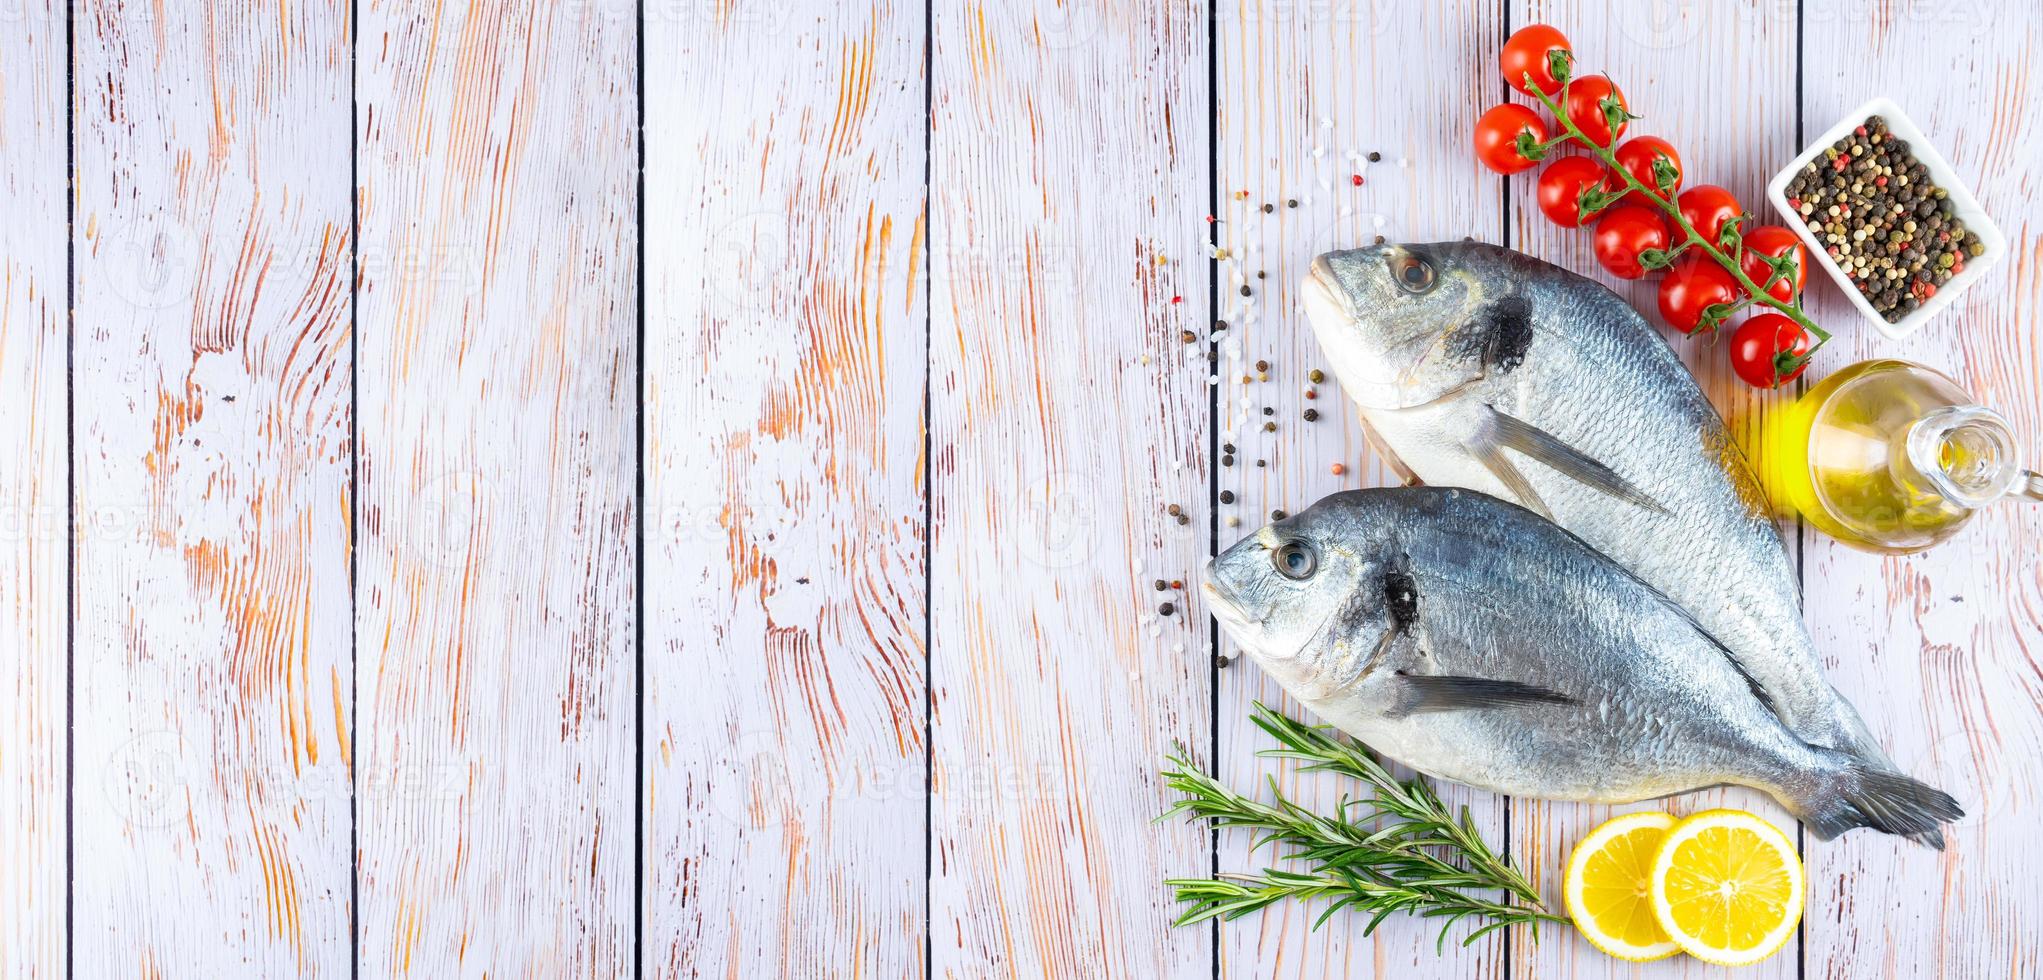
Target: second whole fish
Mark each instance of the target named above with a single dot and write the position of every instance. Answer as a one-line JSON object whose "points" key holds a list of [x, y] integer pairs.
{"points": [[1474, 641]]}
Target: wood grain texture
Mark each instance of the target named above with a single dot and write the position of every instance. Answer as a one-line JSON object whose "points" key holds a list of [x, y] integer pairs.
{"points": [[496, 598], [786, 339], [1068, 169], [212, 731], [34, 491], [1939, 650], [1670, 61], [1307, 91]]}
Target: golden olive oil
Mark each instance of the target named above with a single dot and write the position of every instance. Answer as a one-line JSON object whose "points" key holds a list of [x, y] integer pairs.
{"points": [[1891, 457]]}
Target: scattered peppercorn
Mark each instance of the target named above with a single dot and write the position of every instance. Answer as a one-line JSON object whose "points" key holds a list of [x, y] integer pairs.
{"points": [[1379, 239], [1222, 660], [1881, 218], [1227, 447], [1276, 515], [1187, 336], [1267, 208], [1184, 519], [1312, 415], [1245, 291], [1311, 393], [1267, 410], [1339, 468], [1315, 375], [1269, 426], [1292, 203], [1260, 274], [1262, 365], [1227, 460], [1174, 510], [1375, 157], [1160, 585], [1166, 609], [1227, 496], [1262, 462]]}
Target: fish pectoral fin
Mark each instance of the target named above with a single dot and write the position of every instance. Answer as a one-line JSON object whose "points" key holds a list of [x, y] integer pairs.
{"points": [[1492, 457], [1501, 431], [1426, 692]]}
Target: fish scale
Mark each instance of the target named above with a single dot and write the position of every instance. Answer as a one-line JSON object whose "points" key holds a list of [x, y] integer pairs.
{"points": [[1596, 377]]}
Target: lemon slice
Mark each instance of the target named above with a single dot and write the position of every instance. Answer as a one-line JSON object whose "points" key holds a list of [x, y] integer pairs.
{"points": [[1728, 886], [1609, 887]]}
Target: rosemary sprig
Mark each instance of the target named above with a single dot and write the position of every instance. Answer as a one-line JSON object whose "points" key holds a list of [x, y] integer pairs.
{"points": [[1398, 850]]}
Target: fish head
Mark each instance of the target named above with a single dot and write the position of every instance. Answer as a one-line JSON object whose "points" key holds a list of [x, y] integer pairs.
{"points": [[1306, 594], [1408, 325]]}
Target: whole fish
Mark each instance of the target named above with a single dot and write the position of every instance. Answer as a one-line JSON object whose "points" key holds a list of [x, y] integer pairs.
{"points": [[1476, 366], [1475, 641]]}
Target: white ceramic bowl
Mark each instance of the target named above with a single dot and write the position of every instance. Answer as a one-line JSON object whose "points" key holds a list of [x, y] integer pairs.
{"points": [[1964, 206]]}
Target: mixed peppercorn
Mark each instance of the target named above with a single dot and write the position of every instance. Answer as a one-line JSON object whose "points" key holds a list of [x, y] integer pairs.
{"points": [[1882, 219]]}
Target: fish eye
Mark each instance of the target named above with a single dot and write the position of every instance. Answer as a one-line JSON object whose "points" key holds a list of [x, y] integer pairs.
{"points": [[1295, 560], [1413, 274]]}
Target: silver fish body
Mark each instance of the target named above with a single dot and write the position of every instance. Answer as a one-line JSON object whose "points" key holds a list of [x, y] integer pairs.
{"points": [[1475, 641], [1479, 367]]}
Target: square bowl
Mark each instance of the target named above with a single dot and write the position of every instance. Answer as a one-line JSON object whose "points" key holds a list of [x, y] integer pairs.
{"points": [[1964, 207]]}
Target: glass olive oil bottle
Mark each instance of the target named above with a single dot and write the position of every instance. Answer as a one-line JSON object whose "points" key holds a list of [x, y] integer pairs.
{"points": [[1892, 457]]}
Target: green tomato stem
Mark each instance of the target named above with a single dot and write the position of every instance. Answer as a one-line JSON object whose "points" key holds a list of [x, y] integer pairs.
{"points": [[1608, 156]]}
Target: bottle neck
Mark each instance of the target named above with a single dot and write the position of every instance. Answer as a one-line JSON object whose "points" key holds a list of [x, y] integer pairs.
{"points": [[1967, 455]]}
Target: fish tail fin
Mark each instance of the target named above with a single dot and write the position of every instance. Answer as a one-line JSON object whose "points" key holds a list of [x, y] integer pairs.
{"points": [[1858, 741], [1854, 794]]}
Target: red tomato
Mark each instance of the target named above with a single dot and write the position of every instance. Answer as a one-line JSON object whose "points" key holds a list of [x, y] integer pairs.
{"points": [[1625, 231], [1707, 207], [1776, 241], [1636, 156], [1694, 284], [1562, 184], [1496, 137], [1585, 108], [1531, 50], [1767, 350]]}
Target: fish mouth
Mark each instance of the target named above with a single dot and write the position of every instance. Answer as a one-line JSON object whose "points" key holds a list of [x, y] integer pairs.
{"points": [[1225, 605], [1320, 286]]}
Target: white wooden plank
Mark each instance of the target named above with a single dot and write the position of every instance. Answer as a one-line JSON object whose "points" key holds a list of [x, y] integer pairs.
{"points": [[212, 465], [1307, 91], [33, 491], [1939, 650], [1068, 169], [1710, 83], [786, 341], [496, 602]]}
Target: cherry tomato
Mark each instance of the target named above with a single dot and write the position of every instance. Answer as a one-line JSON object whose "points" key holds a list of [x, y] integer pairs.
{"points": [[1625, 231], [1636, 156], [1694, 283], [1530, 51], [1585, 108], [1767, 350], [1707, 207], [1776, 241], [1562, 184], [1496, 137]]}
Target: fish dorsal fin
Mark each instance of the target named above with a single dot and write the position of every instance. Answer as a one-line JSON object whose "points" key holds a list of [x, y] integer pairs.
{"points": [[1432, 692], [1500, 431]]}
